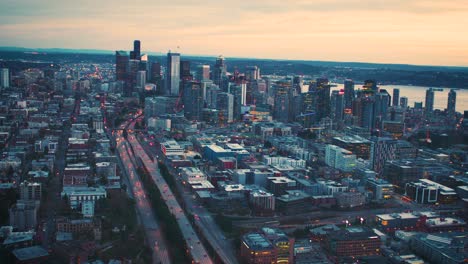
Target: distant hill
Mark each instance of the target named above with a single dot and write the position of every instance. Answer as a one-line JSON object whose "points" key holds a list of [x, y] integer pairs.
{"points": [[328, 64]]}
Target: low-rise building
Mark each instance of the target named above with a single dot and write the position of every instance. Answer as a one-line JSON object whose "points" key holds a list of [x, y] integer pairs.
{"points": [[256, 249], [262, 201], [449, 248], [28, 255], [192, 174], [349, 199], [340, 158], [279, 185], [353, 242], [78, 195], [171, 147], [379, 188], [269, 245], [23, 215], [426, 191]]}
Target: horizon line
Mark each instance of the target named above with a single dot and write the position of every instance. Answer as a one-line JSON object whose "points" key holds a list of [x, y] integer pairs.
{"points": [[109, 52]]}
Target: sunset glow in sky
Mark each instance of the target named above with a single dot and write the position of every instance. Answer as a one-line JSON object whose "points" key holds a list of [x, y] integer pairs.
{"points": [[433, 32]]}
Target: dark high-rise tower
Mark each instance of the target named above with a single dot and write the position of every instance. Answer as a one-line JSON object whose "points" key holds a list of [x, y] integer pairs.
{"points": [[121, 64], [381, 102], [307, 105], [370, 85], [349, 93], [185, 71], [282, 105], [429, 106], [451, 103], [337, 105], [404, 102], [396, 97], [364, 111], [136, 50], [193, 100], [219, 72], [203, 72], [323, 99]]}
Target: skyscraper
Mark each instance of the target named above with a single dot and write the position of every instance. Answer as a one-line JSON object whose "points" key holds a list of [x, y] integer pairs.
{"points": [[396, 97], [185, 71], [133, 67], [337, 105], [323, 99], [252, 73], [219, 72], [225, 105], [203, 72], [381, 103], [121, 64], [429, 106], [144, 65], [141, 81], [155, 71], [370, 85], [307, 109], [451, 103], [173, 73], [349, 93], [404, 102], [282, 104], [364, 110], [5, 78], [193, 100], [136, 50], [240, 97], [298, 83]]}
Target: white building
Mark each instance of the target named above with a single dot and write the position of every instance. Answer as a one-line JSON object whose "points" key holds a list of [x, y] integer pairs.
{"points": [[192, 174], [274, 161], [171, 147], [79, 195], [331, 187], [340, 158], [4, 78], [30, 191], [159, 124]]}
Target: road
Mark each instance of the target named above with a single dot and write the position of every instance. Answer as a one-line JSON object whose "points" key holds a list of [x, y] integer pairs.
{"points": [[153, 232], [54, 189], [204, 221], [195, 247]]}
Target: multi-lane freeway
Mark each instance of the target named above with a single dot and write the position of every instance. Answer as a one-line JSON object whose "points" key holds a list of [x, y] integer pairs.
{"points": [[204, 220], [153, 232], [195, 248]]}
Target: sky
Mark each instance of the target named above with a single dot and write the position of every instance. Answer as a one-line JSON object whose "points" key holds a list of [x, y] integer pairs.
{"points": [[427, 32]]}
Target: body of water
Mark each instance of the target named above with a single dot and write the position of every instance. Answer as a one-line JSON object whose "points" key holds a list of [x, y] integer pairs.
{"points": [[418, 94]]}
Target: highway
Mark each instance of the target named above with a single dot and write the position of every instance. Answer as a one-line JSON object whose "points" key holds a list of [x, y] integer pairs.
{"points": [[204, 219], [153, 232], [196, 249]]}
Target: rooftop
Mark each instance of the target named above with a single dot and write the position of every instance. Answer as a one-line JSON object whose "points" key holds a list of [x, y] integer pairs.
{"points": [[256, 241], [439, 221], [24, 254]]}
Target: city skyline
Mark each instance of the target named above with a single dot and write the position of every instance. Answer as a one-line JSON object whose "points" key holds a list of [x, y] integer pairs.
{"points": [[413, 32]]}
